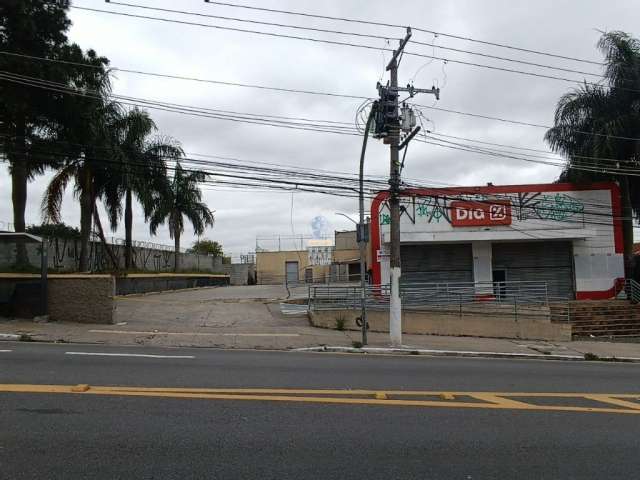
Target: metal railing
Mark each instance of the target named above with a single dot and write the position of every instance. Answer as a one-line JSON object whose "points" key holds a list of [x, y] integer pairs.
{"points": [[632, 290], [459, 298]]}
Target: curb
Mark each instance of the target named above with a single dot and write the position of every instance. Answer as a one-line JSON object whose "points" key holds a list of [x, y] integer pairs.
{"points": [[14, 337], [458, 353]]}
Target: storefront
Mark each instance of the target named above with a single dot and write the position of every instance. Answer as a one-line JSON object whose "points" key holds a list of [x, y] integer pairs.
{"points": [[568, 236]]}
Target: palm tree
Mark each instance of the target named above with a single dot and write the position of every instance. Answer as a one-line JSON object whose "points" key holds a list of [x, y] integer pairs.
{"points": [[88, 146], [181, 198], [603, 121], [141, 169]]}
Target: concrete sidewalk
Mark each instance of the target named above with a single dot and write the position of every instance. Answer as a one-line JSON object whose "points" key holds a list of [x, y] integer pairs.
{"points": [[295, 336]]}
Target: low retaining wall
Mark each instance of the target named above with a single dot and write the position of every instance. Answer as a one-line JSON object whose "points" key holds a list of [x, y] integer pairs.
{"points": [[430, 323], [145, 283], [81, 298]]}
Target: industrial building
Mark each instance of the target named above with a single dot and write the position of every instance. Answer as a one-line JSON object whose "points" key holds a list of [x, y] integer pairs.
{"points": [[308, 260], [569, 236]]}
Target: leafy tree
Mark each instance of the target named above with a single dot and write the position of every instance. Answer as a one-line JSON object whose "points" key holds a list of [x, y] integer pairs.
{"points": [[181, 198], [206, 247], [55, 230], [603, 121], [27, 113], [140, 167]]}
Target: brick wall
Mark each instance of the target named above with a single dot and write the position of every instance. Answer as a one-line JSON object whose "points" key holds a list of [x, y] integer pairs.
{"points": [[82, 298]]}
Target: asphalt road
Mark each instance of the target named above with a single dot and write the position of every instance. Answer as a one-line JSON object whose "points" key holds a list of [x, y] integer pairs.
{"points": [[63, 435]]}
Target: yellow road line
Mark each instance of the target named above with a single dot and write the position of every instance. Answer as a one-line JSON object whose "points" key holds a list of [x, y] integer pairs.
{"points": [[488, 400]]}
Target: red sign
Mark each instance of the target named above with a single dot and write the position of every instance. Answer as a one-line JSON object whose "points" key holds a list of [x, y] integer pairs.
{"points": [[476, 214]]}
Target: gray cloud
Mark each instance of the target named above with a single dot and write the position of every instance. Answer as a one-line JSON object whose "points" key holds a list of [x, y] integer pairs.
{"points": [[558, 26]]}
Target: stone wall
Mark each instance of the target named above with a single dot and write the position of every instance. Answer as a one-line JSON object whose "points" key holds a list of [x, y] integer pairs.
{"points": [[414, 322], [82, 298]]}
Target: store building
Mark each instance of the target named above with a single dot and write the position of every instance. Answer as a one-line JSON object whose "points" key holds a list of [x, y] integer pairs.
{"points": [[569, 236]]}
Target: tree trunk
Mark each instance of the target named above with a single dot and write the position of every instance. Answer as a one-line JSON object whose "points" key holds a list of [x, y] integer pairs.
{"points": [[19, 191], [128, 227], [176, 265], [86, 213], [627, 225], [105, 245]]}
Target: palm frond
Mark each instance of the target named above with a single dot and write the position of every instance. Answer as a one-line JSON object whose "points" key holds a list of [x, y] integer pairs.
{"points": [[52, 199]]}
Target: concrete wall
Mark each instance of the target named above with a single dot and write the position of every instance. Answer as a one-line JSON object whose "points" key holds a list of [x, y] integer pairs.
{"points": [[144, 283], [63, 256], [346, 240], [82, 298], [442, 324]]}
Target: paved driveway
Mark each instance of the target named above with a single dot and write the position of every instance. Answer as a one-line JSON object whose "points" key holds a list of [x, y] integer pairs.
{"points": [[248, 307]]}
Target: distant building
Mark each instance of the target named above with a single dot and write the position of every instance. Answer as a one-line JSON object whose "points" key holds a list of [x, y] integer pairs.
{"points": [[309, 260]]}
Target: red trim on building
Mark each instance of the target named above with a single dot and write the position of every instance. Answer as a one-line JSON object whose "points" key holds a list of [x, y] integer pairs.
{"points": [[484, 297], [616, 208], [375, 236], [618, 285]]}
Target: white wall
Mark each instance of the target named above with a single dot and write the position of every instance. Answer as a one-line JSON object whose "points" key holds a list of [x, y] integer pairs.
{"points": [[582, 216]]}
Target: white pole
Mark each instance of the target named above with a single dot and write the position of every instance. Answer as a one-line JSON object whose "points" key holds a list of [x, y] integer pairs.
{"points": [[395, 309]]}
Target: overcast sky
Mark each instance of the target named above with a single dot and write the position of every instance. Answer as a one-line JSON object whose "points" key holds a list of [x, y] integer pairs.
{"points": [[565, 27]]}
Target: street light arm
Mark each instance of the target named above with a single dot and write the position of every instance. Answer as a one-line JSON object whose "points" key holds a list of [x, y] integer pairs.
{"points": [[346, 216]]}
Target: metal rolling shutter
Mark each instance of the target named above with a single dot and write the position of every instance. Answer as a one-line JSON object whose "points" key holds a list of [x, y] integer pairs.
{"points": [[444, 263], [550, 262]]}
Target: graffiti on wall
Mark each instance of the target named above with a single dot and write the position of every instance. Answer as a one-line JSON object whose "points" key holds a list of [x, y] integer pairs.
{"points": [[524, 206], [64, 255]]}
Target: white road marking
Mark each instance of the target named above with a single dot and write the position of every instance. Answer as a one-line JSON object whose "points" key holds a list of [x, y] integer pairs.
{"points": [[5, 351], [201, 334], [100, 354]]}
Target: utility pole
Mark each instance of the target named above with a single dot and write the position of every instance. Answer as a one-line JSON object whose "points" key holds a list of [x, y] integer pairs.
{"points": [[389, 126]]}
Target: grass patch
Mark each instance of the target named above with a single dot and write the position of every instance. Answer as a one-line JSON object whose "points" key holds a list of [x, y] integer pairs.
{"points": [[356, 344], [340, 322]]}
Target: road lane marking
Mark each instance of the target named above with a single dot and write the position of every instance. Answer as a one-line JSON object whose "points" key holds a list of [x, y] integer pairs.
{"points": [[488, 400], [202, 334], [5, 351], [142, 355]]}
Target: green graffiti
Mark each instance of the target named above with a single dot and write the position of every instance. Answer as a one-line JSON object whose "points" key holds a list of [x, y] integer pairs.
{"points": [[557, 207], [423, 210], [437, 214], [385, 219]]}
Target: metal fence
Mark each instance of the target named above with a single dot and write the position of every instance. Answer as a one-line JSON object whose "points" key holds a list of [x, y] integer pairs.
{"points": [[617, 317], [495, 298]]}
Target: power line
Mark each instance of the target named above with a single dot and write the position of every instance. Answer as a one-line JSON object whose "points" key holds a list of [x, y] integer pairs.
{"points": [[473, 140], [312, 92], [255, 119], [498, 154], [189, 110], [348, 44], [355, 34], [254, 178], [393, 25]]}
